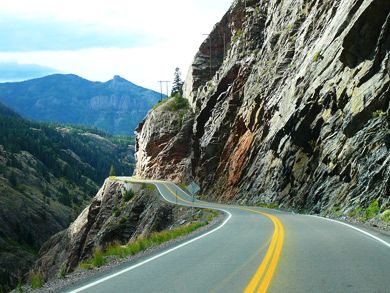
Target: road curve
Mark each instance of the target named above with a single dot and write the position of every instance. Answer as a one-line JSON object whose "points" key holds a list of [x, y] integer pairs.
{"points": [[256, 250]]}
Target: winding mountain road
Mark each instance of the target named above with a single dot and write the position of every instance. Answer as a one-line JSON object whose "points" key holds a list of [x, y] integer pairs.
{"points": [[256, 250]]}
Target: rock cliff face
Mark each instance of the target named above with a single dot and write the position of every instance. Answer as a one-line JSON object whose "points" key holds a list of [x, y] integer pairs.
{"points": [[164, 144], [291, 107], [110, 217]]}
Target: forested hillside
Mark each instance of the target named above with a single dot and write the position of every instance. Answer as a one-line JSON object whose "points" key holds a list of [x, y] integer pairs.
{"points": [[47, 175], [115, 106]]}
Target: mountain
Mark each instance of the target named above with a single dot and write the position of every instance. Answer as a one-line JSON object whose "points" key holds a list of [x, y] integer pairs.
{"points": [[293, 111], [115, 106], [48, 174]]}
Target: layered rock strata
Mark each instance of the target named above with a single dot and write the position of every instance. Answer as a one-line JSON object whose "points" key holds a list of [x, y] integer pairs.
{"points": [[290, 105]]}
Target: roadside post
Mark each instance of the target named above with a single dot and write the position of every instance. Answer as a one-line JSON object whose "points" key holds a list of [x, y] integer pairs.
{"points": [[193, 188]]}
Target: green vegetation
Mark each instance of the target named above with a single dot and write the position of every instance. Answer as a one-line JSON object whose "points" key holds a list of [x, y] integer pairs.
{"points": [[379, 114], [237, 35], [212, 214], [177, 85], [178, 103], [116, 212], [159, 103], [140, 244], [61, 271], [18, 288], [317, 56], [148, 186], [122, 220], [356, 213], [36, 280], [129, 194], [80, 156], [112, 171], [336, 210], [48, 99], [184, 187], [50, 172], [362, 214], [372, 210], [385, 216], [267, 205]]}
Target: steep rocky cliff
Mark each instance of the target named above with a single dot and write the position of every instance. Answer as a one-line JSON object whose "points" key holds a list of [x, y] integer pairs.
{"points": [[120, 212], [48, 174], [291, 107]]}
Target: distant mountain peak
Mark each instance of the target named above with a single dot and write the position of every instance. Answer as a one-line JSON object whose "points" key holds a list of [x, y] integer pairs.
{"points": [[118, 77], [116, 106]]}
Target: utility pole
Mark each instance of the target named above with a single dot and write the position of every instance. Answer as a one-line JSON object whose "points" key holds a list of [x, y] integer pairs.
{"points": [[166, 84], [161, 82], [160, 90], [209, 52]]}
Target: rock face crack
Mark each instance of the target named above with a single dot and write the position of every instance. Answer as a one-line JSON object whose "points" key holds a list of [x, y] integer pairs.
{"points": [[361, 41]]}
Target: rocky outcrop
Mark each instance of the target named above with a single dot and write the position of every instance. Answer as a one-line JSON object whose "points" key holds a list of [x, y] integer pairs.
{"points": [[296, 111], [111, 216], [163, 145]]}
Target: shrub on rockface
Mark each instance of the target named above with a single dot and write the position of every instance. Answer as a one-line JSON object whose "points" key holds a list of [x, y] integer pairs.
{"points": [[178, 103], [385, 216], [372, 210]]}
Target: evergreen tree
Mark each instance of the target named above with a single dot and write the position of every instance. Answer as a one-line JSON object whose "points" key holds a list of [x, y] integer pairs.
{"points": [[112, 171], [177, 86]]}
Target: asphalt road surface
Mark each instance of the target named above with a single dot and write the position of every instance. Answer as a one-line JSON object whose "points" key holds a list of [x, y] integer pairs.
{"points": [[257, 250]]}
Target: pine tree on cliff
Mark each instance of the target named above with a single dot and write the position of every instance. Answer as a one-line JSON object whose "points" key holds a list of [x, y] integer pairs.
{"points": [[177, 86]]}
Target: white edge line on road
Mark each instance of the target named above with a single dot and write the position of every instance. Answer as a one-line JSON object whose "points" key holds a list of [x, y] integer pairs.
{"points": [[156, 256], [355, 228]]}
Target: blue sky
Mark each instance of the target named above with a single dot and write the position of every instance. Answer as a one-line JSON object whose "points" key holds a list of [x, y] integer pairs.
{"points": [[142, 41]]}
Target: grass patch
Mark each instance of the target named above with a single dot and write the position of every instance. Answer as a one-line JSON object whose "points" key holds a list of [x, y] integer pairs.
{"points": [[116, 212], [385, 216], [140, 244], [159, 103], [212, 214], [36, 280], [267, 205], [372, 210], [365, 214], [356, 213], [336, 210], [148, 186], [98, 259], [61, 271], [129, 194], [178, 103]]}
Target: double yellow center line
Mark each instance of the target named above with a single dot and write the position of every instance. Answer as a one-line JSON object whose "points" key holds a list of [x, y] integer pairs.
{"points": [[263, 276]]}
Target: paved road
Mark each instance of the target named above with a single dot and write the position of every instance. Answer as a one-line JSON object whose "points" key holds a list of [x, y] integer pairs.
{"points": [[257, 250]]}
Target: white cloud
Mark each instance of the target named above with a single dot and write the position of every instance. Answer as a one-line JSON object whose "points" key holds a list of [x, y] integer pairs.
{"points": [[143, 66], [175, 28]]}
